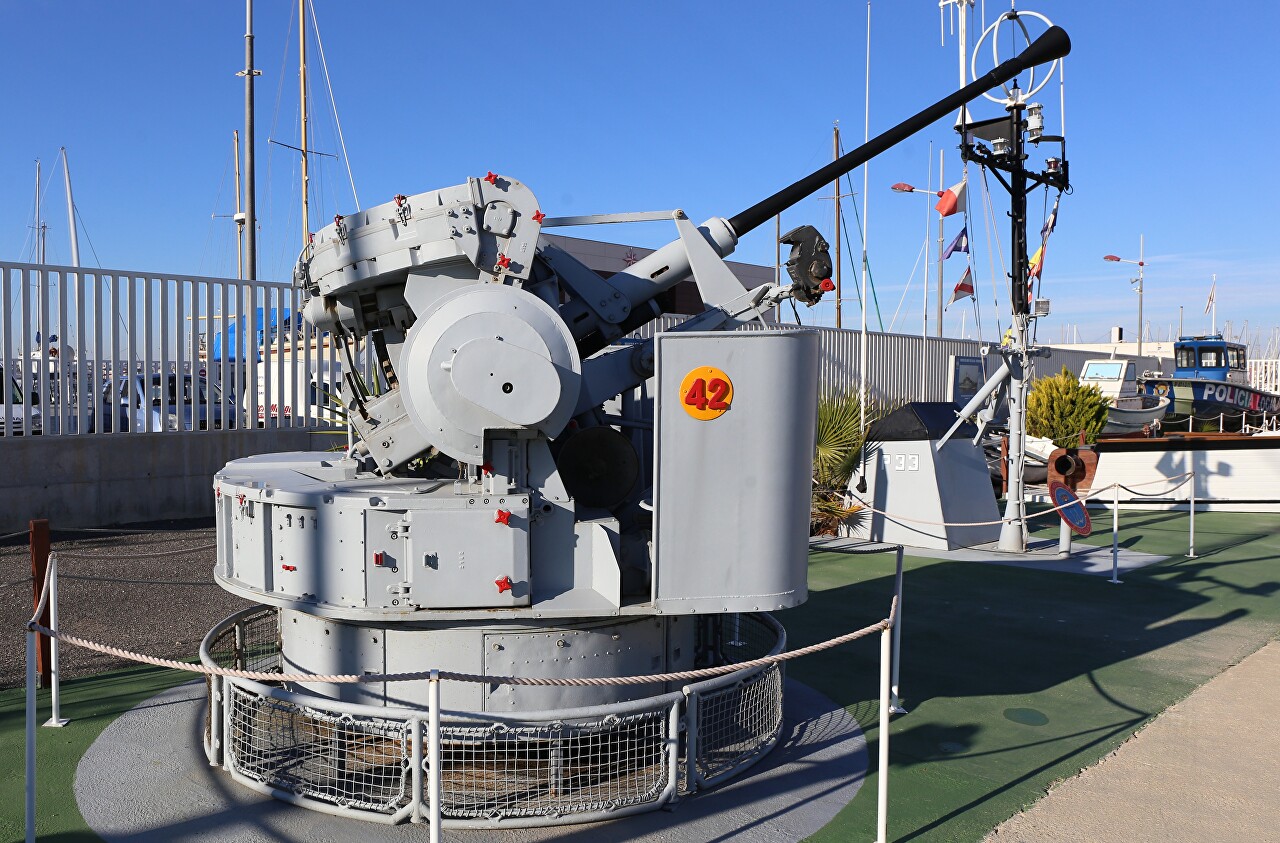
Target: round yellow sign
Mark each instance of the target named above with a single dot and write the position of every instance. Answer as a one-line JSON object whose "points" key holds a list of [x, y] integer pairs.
{"points": [[706, 393]]}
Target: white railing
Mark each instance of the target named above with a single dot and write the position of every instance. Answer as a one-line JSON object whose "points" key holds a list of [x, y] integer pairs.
{"points": [[97, 351], [1265, 375]]}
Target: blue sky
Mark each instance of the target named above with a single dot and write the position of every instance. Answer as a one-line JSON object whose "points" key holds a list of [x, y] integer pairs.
{"points": [[598, 107]]}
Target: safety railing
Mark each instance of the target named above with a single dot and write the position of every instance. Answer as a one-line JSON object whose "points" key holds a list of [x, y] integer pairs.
{"points": [[481, 770], [532, 768], [97, 351]]}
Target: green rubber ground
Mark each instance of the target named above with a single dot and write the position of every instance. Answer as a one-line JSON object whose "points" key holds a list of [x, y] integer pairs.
{"points": [[1013, 678]]}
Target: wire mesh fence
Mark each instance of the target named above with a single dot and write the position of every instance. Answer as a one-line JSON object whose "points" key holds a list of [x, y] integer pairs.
{"points": [[738, 718], [554, 769], [356, 762], [531, 768]]}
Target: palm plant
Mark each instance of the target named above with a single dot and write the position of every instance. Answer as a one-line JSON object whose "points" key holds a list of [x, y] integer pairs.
{"points": [[837, 449]]}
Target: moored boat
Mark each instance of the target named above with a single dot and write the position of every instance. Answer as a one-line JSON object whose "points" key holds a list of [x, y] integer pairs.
{"points": [[1210, 381], [1130, 410]]}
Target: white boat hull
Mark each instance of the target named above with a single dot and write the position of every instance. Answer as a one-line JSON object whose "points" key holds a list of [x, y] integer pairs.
{"points": [[1129, 414]]}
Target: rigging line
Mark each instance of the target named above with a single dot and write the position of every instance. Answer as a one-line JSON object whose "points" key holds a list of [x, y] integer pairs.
{"points": [[910, 278], [85, 231], [871, 282], [42, 194], [988, 221], [284, 59], [845, 228], [324, 65], [977, 306], [1044, 248], [98, 263], [275, 121], [30, 228], [213, 216]]}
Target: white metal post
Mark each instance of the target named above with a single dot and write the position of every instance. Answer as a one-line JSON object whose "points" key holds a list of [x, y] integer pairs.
{"points": [[1064, 539], [415, 752], [1115, 533], [433, 752], [895, 684], [55, 720], [1191, 539], [30, 811], [216, 702], [882, 782]]}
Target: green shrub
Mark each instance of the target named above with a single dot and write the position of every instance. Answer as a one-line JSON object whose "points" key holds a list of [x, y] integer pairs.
{"points": [[1059, 408]]}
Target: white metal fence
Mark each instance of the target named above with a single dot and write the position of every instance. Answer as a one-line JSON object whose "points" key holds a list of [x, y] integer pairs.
{"points": [[1265, 375], [905, 367], [97, 351]]}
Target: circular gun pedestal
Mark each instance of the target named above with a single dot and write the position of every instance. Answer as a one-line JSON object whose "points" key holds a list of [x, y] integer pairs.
{"points": [[345, 565]]}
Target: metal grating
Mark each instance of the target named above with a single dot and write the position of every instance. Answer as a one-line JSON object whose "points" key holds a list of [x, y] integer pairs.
{"points": [[738, 723], [258, 647], [542, 768], [740, 717], [555, 769], [354, 762]]}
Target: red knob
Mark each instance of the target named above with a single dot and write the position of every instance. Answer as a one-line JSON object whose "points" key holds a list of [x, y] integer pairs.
{"points": [[827, 285], [492, 177], [503, 516], [538, 216], [289, 567], [503, 584], [504, 261]]}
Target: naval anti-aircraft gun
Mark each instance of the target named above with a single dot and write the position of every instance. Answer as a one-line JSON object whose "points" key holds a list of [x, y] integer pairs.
{"points": [[530, 494]]}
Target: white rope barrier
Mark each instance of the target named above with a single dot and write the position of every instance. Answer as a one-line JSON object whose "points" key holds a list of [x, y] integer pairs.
{"points": [[1155, 494], [265, 676], [1093, 493]]}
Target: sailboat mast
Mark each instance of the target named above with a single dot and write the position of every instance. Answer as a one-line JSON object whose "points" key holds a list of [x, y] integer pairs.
{"points": [[239, 217], [866, 213], [39, 219], [302, 84], [71, 211], [249, 226], [835, 195]]}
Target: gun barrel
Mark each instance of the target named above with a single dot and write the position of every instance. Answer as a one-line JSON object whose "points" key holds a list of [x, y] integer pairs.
{"points": [[1053, 44]]}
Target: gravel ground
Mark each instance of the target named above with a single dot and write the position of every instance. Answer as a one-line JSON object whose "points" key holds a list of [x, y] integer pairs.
{"points": [[124, 596]]}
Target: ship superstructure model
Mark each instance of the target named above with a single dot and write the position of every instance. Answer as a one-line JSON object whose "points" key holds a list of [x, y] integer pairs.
{"points": [[530, 494]]}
